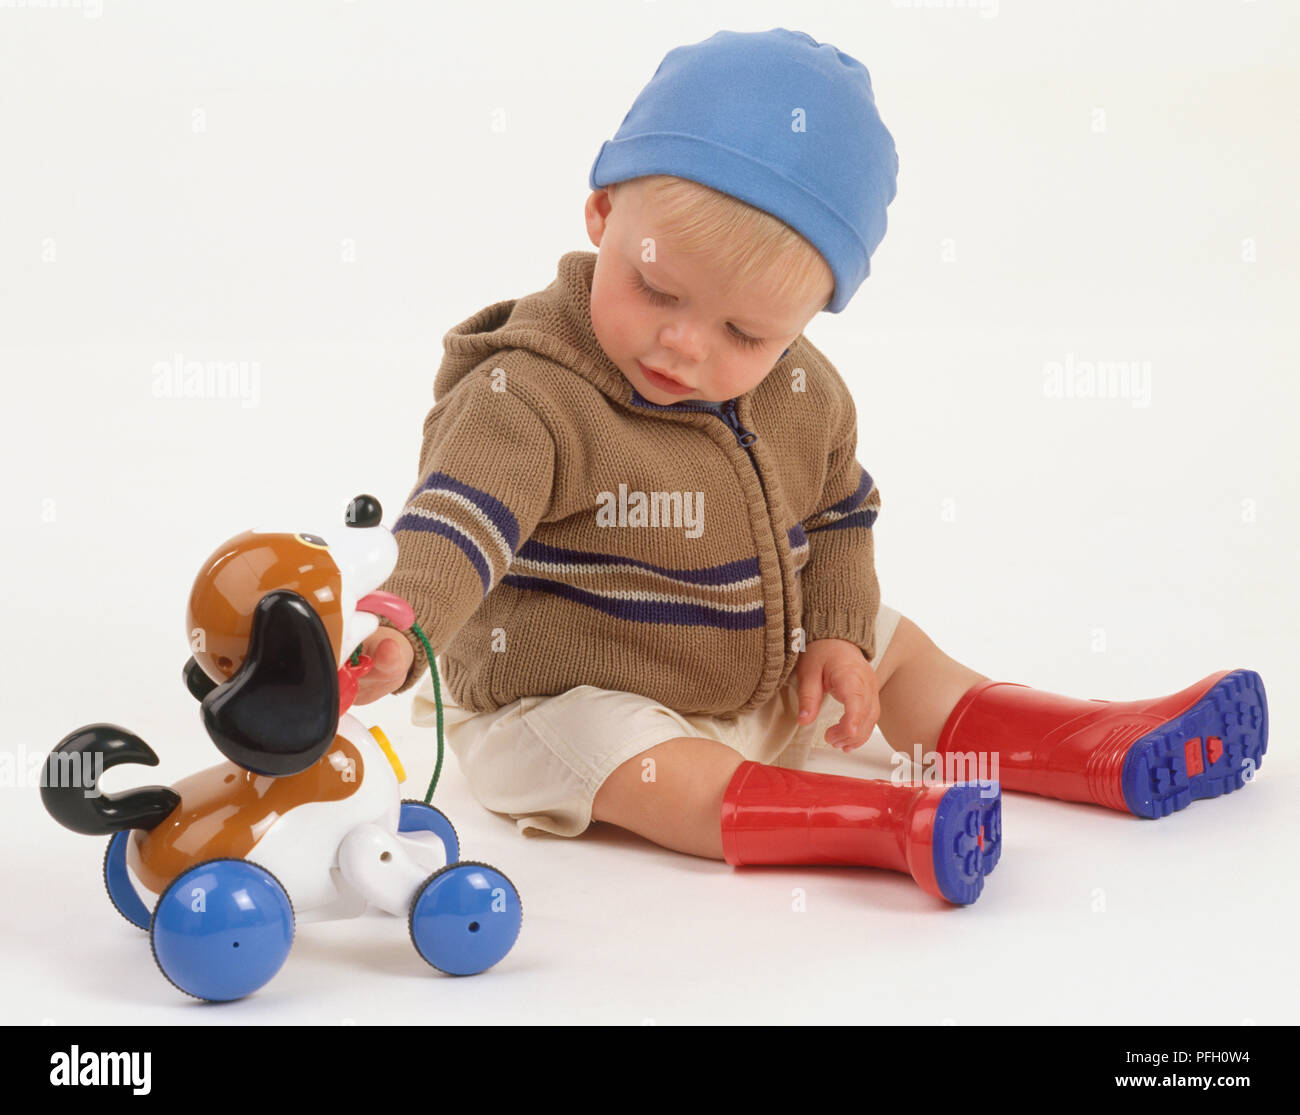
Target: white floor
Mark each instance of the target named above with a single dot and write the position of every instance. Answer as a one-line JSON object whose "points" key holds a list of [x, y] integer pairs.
{"points": [[1092, 916]]}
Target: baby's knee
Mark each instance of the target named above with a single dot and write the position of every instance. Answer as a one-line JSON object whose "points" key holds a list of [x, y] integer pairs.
{"points": [[907, 643], [671, 793]]}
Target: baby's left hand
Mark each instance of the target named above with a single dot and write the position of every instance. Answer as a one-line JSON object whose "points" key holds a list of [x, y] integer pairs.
{"points": [[838, 667]]}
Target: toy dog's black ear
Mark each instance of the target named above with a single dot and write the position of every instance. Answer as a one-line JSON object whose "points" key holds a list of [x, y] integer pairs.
{"points": [[196, 681], [280, 712]]}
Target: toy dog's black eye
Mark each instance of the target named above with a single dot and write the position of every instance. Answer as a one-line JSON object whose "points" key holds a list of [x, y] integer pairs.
{"points": [[364, 511], [312, 540]]}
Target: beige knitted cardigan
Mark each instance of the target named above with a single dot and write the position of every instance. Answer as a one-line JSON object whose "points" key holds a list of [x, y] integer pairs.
{"points": [[563, 530]]}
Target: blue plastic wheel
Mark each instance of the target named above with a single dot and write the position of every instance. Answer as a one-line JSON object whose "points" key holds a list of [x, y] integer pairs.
{"points": [[118, 883], [419, 817], [222, 929], [465, 918]]}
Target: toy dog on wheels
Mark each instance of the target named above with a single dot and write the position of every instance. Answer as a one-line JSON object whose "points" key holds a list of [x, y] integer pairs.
{"points": [[305, 814]]}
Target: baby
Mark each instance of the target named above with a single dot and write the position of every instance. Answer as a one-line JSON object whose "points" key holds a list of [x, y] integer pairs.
{"points": [[641, 544]]}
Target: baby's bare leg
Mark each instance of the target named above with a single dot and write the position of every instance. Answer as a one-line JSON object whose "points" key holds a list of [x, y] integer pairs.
{"points": [[672, 794], [919, 686]]}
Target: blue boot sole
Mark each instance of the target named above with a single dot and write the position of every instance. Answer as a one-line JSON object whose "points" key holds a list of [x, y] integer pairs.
{"points": [[967, 839], [1213, 748]]}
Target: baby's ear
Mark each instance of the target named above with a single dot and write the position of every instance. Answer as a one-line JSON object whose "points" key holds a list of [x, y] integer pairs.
{"points": [[280, 712]]}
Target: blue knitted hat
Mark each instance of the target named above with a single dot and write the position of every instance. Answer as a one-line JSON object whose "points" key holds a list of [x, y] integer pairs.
{"points": [[775, 119]]}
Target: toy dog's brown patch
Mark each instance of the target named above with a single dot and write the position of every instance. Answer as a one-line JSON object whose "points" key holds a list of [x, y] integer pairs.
{"points": [[225, 810], [219, 620]]}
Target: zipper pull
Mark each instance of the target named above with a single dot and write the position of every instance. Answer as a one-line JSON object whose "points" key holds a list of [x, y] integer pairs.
{"points": [[743, 436]]}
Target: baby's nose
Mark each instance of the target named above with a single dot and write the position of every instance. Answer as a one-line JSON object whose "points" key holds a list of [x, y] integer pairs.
{"points": [[687, 348]]}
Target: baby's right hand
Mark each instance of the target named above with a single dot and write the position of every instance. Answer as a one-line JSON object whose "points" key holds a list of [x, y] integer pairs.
{"points": [[393, 656]]}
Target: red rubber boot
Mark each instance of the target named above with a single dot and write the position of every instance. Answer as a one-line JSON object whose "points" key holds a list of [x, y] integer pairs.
{"points": [[1148, 757], [946, 837]]}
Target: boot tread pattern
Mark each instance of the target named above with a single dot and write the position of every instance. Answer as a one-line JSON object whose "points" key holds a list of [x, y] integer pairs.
{"points": [[967, 840], [991, 827], [1213, 748]]}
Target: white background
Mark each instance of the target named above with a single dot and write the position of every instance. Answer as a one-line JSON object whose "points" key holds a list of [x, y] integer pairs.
{"points": [[1105, 181]]}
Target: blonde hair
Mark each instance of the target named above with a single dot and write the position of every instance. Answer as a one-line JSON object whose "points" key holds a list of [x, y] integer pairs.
{"points": [[750, 245]]}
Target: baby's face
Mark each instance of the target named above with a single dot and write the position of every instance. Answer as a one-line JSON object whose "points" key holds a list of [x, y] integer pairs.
{"points": [[675, 315]]}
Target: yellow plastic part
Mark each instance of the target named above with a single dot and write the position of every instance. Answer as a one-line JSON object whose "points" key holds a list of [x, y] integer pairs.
{"points": [[382, 740]]}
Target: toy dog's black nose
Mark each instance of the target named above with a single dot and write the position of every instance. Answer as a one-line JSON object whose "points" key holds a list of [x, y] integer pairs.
{"points": [[364, 511]]}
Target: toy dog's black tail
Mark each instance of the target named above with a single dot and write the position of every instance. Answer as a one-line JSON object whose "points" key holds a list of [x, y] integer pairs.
{"points": [[70, 783]]}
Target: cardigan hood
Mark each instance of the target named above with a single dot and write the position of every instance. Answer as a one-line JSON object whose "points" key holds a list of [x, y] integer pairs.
{"points": [[554, 323]]}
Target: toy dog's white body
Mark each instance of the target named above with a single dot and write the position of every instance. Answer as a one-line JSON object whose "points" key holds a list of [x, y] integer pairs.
{"points": [[334, 857]]}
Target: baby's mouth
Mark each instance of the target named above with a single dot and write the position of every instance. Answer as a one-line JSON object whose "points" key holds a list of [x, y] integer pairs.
{"points": [[663, 379]]}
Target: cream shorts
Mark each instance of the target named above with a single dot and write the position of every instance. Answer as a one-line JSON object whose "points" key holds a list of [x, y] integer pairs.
{"points": [[540, 760]]}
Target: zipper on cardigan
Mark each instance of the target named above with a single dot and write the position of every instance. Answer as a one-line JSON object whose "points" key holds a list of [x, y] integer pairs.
{"points": [[743, 436]]}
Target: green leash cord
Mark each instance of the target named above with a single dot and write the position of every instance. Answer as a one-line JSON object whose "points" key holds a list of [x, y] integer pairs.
{"points": [[437, 700]]}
